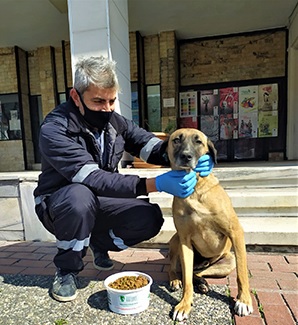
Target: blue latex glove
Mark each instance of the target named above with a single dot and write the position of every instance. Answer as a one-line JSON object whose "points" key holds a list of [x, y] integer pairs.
{"points": [[204, 166], [177, 182]]}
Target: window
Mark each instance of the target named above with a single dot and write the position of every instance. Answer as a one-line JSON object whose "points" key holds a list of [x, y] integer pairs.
{"points": [[135, 103], [36, 119], [10, 124], [153, 105], [62, 98]]}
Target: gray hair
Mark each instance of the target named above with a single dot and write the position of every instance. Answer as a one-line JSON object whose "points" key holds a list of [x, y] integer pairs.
{"points": [[97, 71]]}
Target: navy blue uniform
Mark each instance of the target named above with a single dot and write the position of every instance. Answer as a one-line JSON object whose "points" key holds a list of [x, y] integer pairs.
{"points": [[81, 197]]}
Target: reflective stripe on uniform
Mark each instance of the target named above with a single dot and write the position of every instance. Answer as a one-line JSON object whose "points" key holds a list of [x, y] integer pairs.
{"points": [[85, 171], [38, 200], [146, 151], [117, 240], [74, 244]]}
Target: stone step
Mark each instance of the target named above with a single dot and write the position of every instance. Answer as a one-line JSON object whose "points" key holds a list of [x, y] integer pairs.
{"points": [[258, 231], [264, 195], [247, 198], [268, 212], [278, 212], [256, 212], [243, 176], [238, 175], [259, 198]]}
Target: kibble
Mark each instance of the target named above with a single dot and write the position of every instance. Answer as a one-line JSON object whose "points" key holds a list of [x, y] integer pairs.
{"points": [[129, 282]]}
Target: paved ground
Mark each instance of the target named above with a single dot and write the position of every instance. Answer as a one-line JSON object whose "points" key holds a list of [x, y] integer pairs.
{"points": [[26, 272]]}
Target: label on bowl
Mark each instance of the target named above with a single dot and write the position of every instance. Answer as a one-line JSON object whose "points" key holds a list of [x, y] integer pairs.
{"points": [[128, 304], [128, 301]]}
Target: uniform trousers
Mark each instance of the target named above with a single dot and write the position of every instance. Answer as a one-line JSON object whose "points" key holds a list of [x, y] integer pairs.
{"points": [[78, 218]]}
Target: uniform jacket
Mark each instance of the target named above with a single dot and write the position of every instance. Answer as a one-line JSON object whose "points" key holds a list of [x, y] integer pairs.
{"points": [[71, 154]]}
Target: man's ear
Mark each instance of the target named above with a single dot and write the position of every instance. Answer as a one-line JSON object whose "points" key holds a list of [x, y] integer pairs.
{"points": [[212, 151], [75, 97]]}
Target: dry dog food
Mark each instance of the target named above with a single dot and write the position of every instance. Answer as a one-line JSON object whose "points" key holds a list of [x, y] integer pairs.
{"points": [[129, 282]]}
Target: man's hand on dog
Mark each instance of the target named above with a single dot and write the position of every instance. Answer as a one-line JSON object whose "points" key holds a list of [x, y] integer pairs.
{"points": [[182, 183], [177, 182], [204, 166]]}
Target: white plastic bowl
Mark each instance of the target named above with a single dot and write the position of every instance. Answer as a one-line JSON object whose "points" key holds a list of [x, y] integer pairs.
{"points": [[128, 301]]}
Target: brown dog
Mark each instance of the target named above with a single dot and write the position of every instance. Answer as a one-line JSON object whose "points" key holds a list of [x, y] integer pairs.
{"points": [[207, 228]]}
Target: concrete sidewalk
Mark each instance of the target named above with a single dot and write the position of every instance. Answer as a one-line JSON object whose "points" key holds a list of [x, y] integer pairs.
{"points": [[26, 272]]}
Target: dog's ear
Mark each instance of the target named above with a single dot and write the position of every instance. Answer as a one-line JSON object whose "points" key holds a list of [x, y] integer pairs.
{"points": [[212, 150], [164, 145], [164, 151]]}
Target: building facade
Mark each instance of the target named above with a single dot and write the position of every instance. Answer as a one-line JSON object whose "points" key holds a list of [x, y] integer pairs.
{"points": [[240, 89]]}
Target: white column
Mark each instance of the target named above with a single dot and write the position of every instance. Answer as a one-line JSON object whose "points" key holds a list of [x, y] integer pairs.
{"points": [[100, 27]]}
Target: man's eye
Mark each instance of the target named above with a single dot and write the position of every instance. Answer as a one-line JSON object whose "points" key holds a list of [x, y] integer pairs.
{"points": [[99, 101], [103, 101]]}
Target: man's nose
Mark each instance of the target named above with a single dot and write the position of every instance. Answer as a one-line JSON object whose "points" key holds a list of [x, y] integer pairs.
{"points": [[107, 106]]}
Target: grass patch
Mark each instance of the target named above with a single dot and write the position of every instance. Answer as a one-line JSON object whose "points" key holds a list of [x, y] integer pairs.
{"points": [[61, 321], [260, 306]]}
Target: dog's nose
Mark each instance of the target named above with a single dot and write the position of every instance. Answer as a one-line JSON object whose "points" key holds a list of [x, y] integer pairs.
{"points": [[186, 157]]}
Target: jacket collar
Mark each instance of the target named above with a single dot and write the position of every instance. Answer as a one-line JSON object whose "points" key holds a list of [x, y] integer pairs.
{"points": [[76, 122]]}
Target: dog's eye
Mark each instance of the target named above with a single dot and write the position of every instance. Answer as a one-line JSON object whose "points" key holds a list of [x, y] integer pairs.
{"points": [[197, 140], [176, 141]]}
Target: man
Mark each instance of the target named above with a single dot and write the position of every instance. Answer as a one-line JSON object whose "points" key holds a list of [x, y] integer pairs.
{"points": [[81, 198]]}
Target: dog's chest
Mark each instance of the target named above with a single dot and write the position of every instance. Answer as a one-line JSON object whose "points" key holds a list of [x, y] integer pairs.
{"points": [[196, 223], [188, 213]]}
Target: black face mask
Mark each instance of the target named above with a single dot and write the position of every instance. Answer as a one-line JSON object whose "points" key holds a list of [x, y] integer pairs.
{"points": [[97, 119]]}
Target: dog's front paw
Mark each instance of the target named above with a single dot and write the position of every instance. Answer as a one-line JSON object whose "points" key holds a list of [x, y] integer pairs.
{"points": [[175, 285], [181, 311], [242, 309]]}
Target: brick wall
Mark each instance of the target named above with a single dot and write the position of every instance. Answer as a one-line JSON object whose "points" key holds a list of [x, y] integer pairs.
{"points": [[68, 64], [234, 58], [245, 57], [133, 57], [42, 64], [63, 79], [152, 60], [37, 58], [34, 80], [8, 72], [11, 152], [160, 61], [59, 70], [214, 60], [169, 78], [25, 105], [46, 77]]}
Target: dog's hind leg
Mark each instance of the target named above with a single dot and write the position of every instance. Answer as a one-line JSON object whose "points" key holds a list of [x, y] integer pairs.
{"points": [[201, 284], [220, 268]]}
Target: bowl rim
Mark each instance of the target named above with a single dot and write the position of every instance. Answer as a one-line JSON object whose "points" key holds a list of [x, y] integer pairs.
{"points": [[118, 275]]}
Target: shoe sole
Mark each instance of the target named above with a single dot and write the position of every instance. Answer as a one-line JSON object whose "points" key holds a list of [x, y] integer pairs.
{"points": [[103, 268], [64, 299], [99, 268]]}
